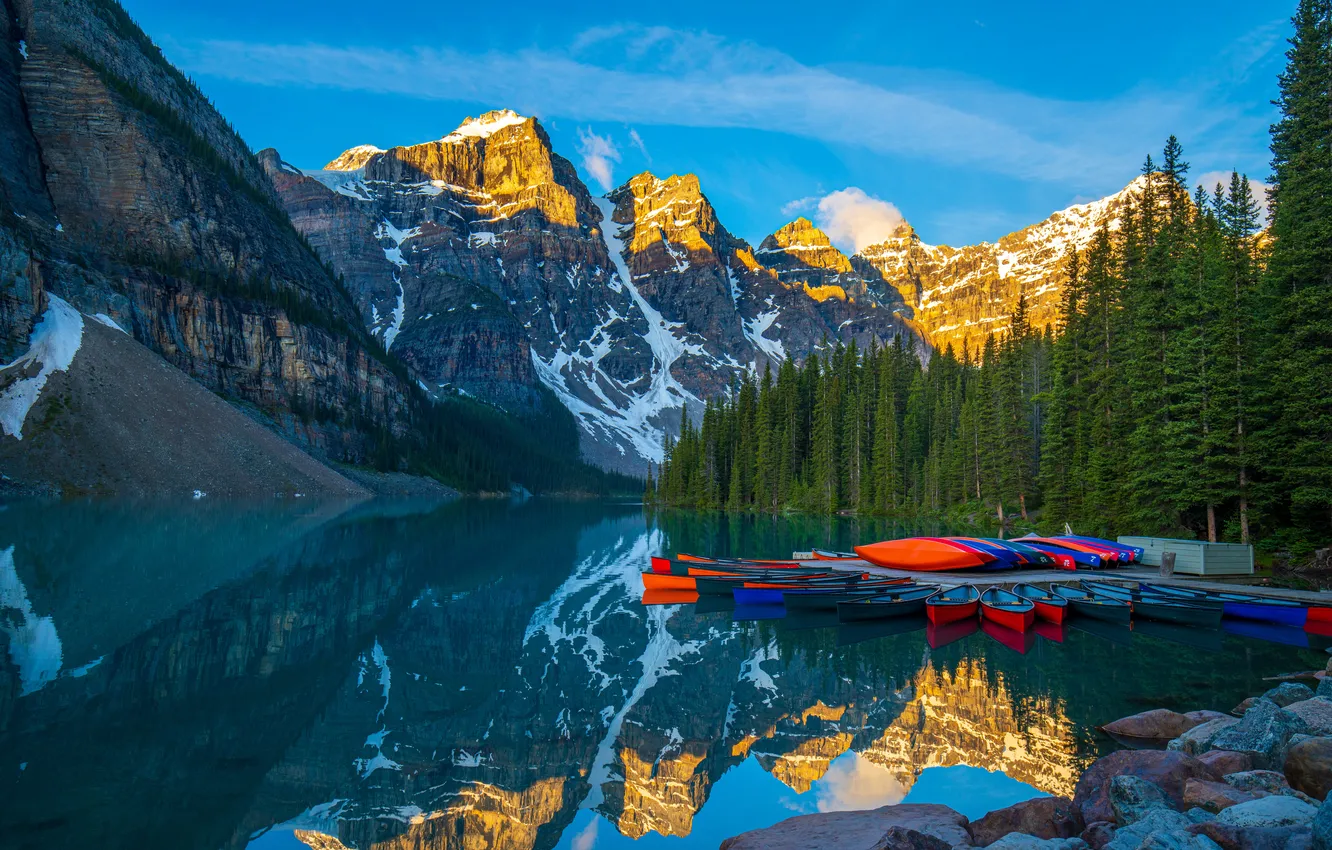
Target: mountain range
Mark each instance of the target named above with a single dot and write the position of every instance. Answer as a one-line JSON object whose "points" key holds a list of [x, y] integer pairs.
{"points": [[427, 307], [484, 262]]}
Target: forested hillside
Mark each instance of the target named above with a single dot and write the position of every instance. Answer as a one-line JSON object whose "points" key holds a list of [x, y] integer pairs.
{"points": [[1187, 387]]}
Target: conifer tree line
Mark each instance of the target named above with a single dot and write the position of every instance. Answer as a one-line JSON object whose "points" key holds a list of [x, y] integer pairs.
{"points": [[1185, 387]]}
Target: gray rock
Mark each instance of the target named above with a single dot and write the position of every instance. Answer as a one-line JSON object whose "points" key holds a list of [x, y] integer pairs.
{"points": [[1273, 811], [1178, 840], [1163, 821], [1316, 714], [1197, 815], [1098, 834], [1325, 686], [1019, 841], [1199, 739], [1289, 692], [1264, 733], [902, 838], [1132, 797], [1322, 825], [1258, 780]]}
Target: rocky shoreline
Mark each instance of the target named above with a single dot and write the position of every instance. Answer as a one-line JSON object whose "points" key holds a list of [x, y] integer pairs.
{"points": [[1256, 777]]}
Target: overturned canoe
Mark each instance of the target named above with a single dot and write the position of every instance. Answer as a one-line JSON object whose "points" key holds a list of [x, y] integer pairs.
{"points": [[924, 554]]}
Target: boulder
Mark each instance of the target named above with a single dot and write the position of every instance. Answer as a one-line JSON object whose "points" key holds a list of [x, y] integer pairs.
{"points": [[1177, 840], [855, 830], [1133, 836], [1197, 815], [1166, 769], [1199, 739], [1322, 827], [1042, 817], [1098, 834], [1254, 838], [1018, 841], [1316, 714], [1131, 797], [1244, 706], [1213, 796], [1224, 761], [1264, 732], [1156, 724], [1289, 692], [1309, 767], [902, 838], [1268, 781], [1200, 717], [1276, 810], [1325, 685]]}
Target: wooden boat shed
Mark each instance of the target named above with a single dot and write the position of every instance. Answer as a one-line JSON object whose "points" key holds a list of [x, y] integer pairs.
{"points": [[1196, 557]]}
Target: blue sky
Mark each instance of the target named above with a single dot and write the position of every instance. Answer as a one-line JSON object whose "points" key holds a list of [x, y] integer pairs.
{"points": [[971, 120]]}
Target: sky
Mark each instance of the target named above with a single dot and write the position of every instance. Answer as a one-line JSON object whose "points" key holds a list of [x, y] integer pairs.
{"points": [[968, 120]]}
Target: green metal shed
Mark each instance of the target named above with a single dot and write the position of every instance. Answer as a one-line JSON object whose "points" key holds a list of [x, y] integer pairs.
{"points": [[1196, 557]]}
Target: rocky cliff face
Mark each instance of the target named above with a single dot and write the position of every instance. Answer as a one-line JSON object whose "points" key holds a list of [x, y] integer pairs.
{"points": [[481, 260], [962, 295], [128, 195]]}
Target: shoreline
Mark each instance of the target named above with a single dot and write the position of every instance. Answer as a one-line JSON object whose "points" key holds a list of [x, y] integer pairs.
{"points": [[1256, 776]]}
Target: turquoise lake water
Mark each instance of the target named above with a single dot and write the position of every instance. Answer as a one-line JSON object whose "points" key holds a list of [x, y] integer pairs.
{"points": [[484, 674]]}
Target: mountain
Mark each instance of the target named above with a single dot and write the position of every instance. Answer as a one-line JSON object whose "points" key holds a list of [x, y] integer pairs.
{"points": [[961, 295], [127, 198], [483, 263]]}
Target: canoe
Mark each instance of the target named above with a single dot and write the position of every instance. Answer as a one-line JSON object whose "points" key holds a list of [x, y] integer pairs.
{"points": [[1007, 609], [1019, 642], [1004, 557], [669, 597], [1135, 552], [726, 584], [690, 568], [818, 596], [774, 562], [1094, 605], [924, 555], [1108, 557], [667, 581], [661, 564], [938, 636], [1049, 607], [1242, 606], [1113, 551], [826, 555], [1080, 559], [1033, 556], [902, 603], [952, 605], [1164, 609]]}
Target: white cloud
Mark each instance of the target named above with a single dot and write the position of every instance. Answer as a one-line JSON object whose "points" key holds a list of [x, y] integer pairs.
{"points": [[853, 782], [1259, 189], [599, 157], [637, 142], [853, 219]]}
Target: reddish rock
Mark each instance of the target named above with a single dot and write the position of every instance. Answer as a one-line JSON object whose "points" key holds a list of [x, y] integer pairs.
{"points": [[855, 830], [1309, 767], [1213, 796], [1159, 724], [1226, 761], [1043, 817], [1244, 706], [1167, 769], [1098, 834]]}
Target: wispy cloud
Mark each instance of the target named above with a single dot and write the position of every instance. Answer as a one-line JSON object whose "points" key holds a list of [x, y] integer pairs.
{"points": [[637, 142], [657, 75], [599, 157]]}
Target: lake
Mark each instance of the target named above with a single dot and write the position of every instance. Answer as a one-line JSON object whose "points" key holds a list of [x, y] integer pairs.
{"points": [[483, 674]]}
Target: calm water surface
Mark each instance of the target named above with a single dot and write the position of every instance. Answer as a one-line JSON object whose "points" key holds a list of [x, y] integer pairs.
{"points": [[484, 675]]}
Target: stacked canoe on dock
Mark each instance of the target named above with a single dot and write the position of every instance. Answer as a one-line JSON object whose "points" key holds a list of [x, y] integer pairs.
{"points": [[936, 554]]}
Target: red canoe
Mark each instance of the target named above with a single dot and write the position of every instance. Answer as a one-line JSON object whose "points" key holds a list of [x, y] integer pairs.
{"points": [[1049, 607], [924, 555], [1007, 609], [953, 605]]}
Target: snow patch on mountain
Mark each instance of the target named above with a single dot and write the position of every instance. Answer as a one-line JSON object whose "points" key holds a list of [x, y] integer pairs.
{"points": [[485, 126], [51, 348]]}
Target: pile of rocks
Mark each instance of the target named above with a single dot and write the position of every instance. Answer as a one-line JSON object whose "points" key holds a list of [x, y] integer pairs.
{"points": [[1254, 778]]}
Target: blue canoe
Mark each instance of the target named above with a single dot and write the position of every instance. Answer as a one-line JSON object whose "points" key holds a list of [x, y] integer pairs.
{"points": [[1082, 559], [1242, 606], [1127, 554], [1005, 557]]}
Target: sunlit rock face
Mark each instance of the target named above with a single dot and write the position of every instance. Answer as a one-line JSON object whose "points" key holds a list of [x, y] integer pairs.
{"points": [[962, 715], [962, 295]]}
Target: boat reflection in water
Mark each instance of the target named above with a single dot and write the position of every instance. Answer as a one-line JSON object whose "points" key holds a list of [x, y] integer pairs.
{"points": [[483, 674]]}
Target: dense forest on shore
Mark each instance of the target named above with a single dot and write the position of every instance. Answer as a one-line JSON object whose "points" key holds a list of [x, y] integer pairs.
{"points": [[1187, 386]]}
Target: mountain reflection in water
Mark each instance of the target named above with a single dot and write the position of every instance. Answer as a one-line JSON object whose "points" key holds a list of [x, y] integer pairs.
{"points": [[484, 675]]}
